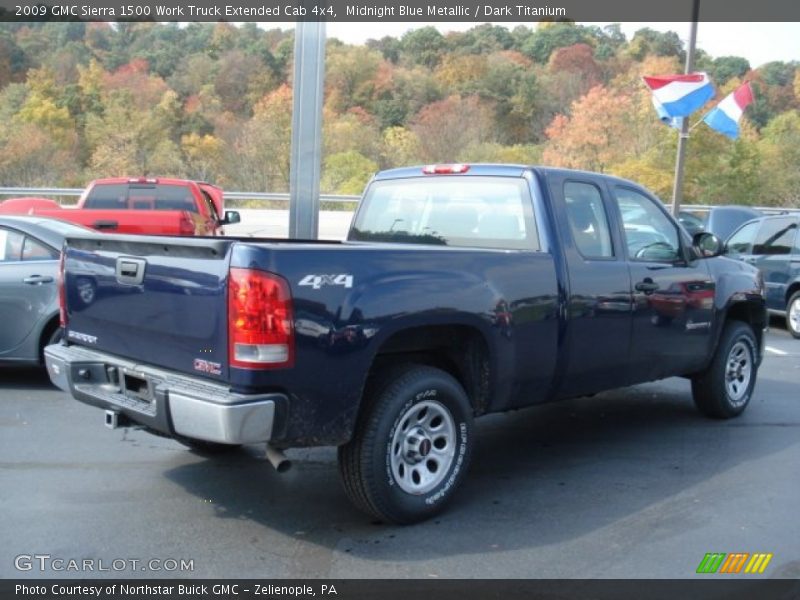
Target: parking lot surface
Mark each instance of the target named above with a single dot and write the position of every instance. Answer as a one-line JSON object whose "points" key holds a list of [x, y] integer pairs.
{"points": [[630, 483]]}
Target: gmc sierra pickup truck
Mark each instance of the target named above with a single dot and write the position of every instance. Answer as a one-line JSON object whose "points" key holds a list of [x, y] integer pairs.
{"points": [[141, 205], [461, 290]]}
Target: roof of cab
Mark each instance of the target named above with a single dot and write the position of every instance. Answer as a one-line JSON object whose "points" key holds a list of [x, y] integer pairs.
{"points": [[474, 169], [491, 170]]}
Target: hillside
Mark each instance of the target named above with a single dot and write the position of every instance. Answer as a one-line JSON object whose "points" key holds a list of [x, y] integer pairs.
{"points": [[213, 101]]}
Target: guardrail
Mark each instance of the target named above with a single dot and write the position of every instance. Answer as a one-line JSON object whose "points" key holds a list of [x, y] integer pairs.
{"points": [[263, 196], [331, 198]]}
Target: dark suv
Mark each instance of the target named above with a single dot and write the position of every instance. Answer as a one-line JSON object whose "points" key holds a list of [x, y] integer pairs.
{"points": [[772, 245]]}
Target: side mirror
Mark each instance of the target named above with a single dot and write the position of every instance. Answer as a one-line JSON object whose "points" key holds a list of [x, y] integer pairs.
{"points": [[231, 217], [707, 245]]}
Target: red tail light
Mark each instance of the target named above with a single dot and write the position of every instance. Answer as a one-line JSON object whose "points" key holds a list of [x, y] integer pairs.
{"points": [[62, 293], [260, 330], [186, 225], [444, 169]]}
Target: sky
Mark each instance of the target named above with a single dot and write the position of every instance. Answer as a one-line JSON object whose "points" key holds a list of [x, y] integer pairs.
{"points": [[759, 43]]}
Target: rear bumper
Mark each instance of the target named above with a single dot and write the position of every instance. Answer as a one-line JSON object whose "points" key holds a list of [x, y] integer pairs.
{"points": [[168, 402]]}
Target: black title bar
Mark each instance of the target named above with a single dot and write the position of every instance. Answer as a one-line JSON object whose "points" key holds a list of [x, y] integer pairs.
{"points": [[338, 589], [478, 11]]}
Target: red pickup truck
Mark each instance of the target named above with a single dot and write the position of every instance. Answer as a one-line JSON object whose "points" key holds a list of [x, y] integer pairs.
{"points": [[154, 206]]}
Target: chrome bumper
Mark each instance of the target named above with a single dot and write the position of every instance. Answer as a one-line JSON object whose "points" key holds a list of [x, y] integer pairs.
{"points": [[169, 402]]}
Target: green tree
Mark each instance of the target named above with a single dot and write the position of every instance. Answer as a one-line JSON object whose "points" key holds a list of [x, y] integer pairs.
{"points": [[346, 173]]}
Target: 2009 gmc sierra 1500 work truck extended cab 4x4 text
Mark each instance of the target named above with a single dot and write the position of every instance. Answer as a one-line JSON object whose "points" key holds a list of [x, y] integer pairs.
{"points": [[461, 290]]}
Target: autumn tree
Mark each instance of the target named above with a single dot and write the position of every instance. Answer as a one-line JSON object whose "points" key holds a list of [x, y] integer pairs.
{"points": [[446, 128], [593, 137], [260, 158]]}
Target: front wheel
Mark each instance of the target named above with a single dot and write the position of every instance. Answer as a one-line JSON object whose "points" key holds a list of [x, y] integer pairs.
{"points": [[724, 389], [411, 447], [793, 315]]}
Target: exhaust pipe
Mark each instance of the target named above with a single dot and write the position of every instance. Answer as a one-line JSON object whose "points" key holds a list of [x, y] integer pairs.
{"points": [[278, 459]]}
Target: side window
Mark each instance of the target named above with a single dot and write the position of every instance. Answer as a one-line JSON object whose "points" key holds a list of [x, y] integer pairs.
{"points": [[741, 242], [649, 233], [212, 210], [10, 245], [775, 236], [587, 220], [35, 250]]}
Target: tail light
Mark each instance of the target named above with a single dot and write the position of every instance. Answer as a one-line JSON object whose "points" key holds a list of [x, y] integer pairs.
{"points": [[62, 293], [260, 330], [186, 226], [444, 169]]}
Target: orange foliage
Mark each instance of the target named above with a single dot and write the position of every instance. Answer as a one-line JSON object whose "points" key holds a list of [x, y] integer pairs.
{"points": [[594, 136]]}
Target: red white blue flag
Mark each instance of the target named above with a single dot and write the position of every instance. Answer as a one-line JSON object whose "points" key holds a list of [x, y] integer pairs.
{"points": [[680, 95], [725, 116]]}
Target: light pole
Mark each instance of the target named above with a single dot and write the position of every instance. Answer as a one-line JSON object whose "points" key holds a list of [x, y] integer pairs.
{"points": [[677, 188]]}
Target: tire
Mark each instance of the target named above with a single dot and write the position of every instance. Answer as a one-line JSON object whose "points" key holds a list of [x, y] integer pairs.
{"points": [[724, 389], [793, 315], [204, 447], [411, 447], [53, 337]]}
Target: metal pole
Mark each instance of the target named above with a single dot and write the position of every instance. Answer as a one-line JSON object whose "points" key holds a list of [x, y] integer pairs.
{"points": [[305, 166], [677, 188]]}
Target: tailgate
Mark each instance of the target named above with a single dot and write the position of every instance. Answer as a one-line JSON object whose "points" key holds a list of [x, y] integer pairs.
{"points": [[148, 222], [155, 300]]}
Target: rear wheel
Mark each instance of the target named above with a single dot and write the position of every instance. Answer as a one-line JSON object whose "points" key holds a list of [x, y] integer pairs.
{"points": [[793, 315], [411, 448], [724, 389]]}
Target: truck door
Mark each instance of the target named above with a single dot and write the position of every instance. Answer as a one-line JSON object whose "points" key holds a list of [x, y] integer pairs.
{"points": [[673, 294], [28, 272], [599, 290]]}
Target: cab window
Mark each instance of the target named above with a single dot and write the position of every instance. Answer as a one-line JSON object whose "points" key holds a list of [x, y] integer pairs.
{"points": [[650, 235], [587, 220]]}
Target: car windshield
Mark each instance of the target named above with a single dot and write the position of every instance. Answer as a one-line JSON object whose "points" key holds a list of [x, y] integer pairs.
{"points": [[475, 212]]}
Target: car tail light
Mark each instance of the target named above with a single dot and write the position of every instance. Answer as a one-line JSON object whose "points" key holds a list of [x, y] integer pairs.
{"points": [[260, 330], [62, 293], [444, 169], [186, 226]]}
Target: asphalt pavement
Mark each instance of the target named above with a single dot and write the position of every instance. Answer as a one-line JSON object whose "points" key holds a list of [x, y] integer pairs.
{"points": [[630, 483]]}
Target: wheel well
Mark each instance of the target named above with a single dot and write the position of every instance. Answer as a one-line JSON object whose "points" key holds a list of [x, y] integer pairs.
{"points": [[47, 331], [459, 350], [795, 287], [749, 313]]}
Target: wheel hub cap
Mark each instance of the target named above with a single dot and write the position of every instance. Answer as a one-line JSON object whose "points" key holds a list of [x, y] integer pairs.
{"points": [[738, 373], [422, 447]]}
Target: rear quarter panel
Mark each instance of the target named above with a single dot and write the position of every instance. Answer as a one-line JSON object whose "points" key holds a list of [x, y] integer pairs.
{"points": [[509, 297]]}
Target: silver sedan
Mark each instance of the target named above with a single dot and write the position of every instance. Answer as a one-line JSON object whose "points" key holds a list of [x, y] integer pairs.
{"points": [[29, 254]]}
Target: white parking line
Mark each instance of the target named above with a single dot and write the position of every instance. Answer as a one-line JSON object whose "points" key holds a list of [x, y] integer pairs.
{"points": [[776, 351]]}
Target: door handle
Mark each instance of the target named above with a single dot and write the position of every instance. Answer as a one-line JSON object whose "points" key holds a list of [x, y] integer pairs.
{"points": [[648, 286], [101, 225], [38, 279]]}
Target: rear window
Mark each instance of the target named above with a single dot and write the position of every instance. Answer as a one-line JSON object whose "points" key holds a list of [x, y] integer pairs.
{"points": [[141, 196], [474, 212]]}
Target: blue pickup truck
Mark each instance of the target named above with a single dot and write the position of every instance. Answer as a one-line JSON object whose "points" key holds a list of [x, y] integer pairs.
{"points": [[461, 290]]}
